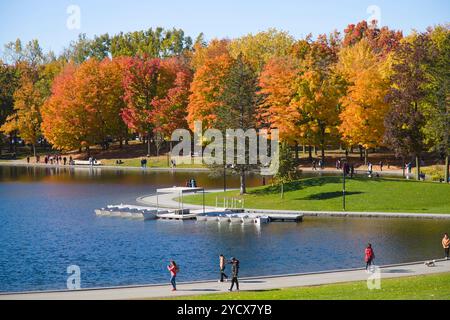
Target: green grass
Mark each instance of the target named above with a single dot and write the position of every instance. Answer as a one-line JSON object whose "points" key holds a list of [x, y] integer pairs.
{"points": [[430, 287], [325, 194], [153, 162]]}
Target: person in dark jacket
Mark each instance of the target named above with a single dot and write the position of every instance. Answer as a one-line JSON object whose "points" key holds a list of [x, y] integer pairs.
{"points": [[234, 272], [369, 256]]}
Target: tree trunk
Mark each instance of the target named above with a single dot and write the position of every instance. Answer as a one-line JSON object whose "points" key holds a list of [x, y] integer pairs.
{"points": [[34, 150], [418, 168], [304, 149], [403, 167], [310, 153], [88, 151], [361, 156], [11, 139], [148, 146], [366, 156], [446, 169], [243, 182], [15, 143], [322, 150]]}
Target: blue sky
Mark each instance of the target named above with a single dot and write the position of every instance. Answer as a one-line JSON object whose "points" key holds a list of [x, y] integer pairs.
{"points": [[45, 20]]}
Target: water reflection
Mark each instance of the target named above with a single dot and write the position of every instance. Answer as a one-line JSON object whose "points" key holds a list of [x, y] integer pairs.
{"points": [[47, 223]]}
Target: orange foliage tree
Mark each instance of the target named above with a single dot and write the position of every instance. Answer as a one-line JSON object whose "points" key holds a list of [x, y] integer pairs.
{"points": [[213, 67], [85, 105]]}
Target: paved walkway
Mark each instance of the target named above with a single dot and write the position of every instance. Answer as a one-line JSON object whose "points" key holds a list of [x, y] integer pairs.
{"points": [[168, 201], [248, 284]]}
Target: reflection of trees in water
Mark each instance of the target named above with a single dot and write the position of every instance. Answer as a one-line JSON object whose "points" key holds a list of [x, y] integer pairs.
{"points": [[87, 174]]}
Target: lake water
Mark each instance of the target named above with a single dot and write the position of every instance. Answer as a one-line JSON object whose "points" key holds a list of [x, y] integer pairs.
{"points": [[47, 223]]}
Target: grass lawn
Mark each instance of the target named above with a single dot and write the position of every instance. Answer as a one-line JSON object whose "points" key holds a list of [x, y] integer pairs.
{"points": [[363, 194], [430, 287], [157, 162]]}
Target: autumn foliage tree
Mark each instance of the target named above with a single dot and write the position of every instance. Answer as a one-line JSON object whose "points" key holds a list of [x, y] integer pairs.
{"points": [[26, 118], [318, 91], [213, 66], [85, 105], [404, 121], [381, 40], [363, 106], [277, 87], [170, 111]]}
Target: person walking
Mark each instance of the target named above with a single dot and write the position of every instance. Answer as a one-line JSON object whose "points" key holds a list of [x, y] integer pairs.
{"points": [[370, 168], [369, 256], [446, 245], [314, 165], [381, 165], [222, 265], [321, 164], [173, 269], [235, 272]]}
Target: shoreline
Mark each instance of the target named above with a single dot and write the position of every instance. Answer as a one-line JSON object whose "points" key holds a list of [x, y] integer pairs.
{"points": [[56, 166], [204, 287], [20, 163]]}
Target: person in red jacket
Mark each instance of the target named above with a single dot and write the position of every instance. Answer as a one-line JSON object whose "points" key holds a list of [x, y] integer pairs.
{"points": [[369, 256], [173, 268]]}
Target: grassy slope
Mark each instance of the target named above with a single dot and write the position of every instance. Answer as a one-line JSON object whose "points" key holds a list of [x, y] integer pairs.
{"points": [[325, 193], [412, 288]]}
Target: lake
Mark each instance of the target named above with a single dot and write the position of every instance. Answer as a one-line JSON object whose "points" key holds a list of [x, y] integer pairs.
{"points": [[47, 223]]}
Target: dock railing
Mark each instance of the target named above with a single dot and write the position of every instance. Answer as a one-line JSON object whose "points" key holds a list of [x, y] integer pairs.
{"points": [[230, 203]]}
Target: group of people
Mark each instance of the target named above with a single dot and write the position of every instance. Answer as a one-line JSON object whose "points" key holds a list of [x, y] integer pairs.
{"points": [[191, 183], [53, 159], [174, 269], [369, 257], [320, 163], [234, 271]]}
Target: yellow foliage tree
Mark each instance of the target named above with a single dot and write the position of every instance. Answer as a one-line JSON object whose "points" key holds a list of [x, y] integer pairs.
{"points": [[26, 118], [258, 49], [364, 106]]}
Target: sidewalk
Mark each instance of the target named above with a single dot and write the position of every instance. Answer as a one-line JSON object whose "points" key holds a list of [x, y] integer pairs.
{"points": [[247, 284], [168, 201]]}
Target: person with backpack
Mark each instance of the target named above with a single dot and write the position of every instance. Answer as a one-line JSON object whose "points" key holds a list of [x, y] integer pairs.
{"points": [[222, 265], [235, 272], [369, 256], [173, 269]]}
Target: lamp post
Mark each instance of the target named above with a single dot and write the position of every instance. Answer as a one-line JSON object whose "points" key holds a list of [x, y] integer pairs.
{"points": [[343, 186], [224, 178]]}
